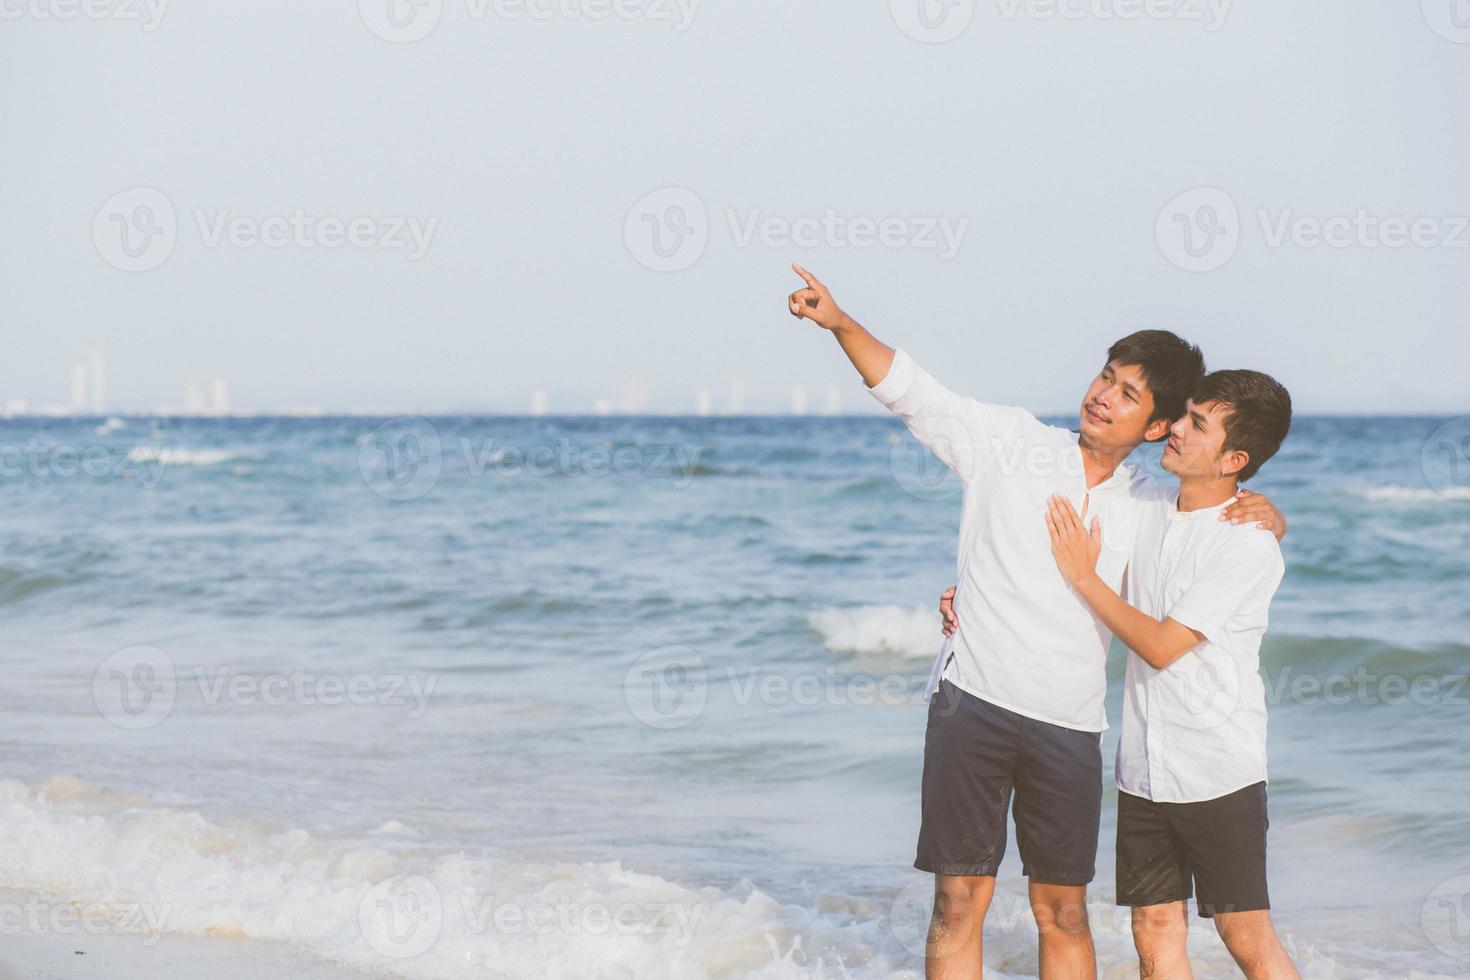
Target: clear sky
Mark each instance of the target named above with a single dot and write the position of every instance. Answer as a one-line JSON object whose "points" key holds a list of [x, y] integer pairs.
{"points": [[607, 203]]}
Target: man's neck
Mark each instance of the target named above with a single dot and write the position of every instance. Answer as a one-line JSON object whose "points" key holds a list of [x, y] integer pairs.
{"points": [[1097, 465], [1198, 494]]}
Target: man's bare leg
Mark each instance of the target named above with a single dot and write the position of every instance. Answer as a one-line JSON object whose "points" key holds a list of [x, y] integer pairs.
{"points": [[1252, 940], [1161, 936], [1066, 951], [956, 930]]}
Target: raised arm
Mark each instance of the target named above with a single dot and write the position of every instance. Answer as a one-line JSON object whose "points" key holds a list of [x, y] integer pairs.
{"points": [[868, 354], [961, 431]]}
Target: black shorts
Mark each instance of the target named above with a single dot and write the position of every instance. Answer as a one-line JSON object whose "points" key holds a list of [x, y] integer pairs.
{"points": [[975, 754], [1220, 844]]}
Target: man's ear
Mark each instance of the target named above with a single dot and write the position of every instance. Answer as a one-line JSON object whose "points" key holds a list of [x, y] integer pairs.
{"points": [[1233, 462], [1158, 429]]}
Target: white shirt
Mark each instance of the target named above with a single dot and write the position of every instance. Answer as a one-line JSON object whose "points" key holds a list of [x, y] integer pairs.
{"points": [[1196, 730], [1025, 641]]}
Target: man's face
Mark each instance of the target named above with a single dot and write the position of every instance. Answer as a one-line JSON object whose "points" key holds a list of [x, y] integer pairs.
{"points": [[1196, 443], [1116, 410]]}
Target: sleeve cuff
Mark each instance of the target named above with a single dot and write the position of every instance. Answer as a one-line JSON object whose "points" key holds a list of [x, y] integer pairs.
{"points": [[896, 382], [1197, 622]]}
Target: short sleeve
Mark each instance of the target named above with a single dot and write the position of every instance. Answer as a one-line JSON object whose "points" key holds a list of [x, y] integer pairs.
{"points": [[964, 433], [1247, 568]]}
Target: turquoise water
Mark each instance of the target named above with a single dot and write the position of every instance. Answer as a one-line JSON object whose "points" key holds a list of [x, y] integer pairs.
{"points": [[667, 661]]}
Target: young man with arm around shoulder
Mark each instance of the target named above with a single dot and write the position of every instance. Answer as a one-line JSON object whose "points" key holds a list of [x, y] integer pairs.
{"points": [[1191, 764]]}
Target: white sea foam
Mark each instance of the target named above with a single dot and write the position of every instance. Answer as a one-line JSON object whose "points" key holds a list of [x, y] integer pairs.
{"points": [[1416, 494], [414, 914], [180, 456], [111, 425], [880, 629]]}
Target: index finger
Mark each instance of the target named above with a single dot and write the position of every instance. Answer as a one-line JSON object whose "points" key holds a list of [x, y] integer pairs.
{"points": [[811, 280]]}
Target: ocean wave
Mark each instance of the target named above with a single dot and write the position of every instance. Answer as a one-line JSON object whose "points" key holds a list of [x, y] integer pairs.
{"points": [[180, 456], [880, 629], [1415, 495], [413, 913]]}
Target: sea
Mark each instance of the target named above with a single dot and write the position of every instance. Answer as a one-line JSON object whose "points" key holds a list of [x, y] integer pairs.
{"points": [[642, 697]]}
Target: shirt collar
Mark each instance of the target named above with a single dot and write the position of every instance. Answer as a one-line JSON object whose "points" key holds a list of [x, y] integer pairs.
{"points": [[1175, 514]]}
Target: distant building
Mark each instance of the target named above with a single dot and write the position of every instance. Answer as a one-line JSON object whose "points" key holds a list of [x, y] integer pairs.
{"points": [[834, 400], [737, 398], [798, 399]]}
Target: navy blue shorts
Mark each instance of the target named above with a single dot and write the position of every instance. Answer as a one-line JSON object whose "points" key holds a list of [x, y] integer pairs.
{"points": [[1216, 846], [976, 756]]}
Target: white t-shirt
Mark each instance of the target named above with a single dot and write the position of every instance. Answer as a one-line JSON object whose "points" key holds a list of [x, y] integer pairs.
{"points": [[1025, 641], [1196, 730]]}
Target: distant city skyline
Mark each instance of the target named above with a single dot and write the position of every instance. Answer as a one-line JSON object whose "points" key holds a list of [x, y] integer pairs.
{"points": [[1002, 205]]}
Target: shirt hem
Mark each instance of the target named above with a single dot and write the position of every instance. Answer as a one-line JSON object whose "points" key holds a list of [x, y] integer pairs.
{"points": [[1023, 712], [1193, 799]]}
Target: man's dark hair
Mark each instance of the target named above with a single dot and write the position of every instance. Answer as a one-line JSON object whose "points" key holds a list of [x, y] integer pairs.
{"points": [[1259, 413], [1171, 365]]}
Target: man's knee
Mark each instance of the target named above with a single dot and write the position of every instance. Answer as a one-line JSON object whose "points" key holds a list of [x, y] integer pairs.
{"points": [[1060, 910], [959, 900], [1249, 936], [1153, 924]]}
